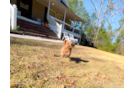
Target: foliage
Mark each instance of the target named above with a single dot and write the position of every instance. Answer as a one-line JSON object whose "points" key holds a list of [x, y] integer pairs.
{"points": [[94, 30], [17, 28]]}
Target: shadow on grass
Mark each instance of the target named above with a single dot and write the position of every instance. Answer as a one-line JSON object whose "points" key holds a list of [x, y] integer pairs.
{"points": [[77, 60]]}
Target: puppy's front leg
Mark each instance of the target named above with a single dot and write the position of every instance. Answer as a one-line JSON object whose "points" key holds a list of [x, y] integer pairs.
{"points": [[62, 55]]}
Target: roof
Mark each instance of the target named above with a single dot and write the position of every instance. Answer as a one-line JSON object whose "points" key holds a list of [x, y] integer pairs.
{"points": [[64, 3], [71, 12]]}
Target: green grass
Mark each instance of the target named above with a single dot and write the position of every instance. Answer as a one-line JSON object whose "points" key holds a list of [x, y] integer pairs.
{"points": [[34, 65]]}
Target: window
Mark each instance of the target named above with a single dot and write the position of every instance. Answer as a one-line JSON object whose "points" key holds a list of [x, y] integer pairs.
{"points": [[60, 17], [24, 5], [52, 13]]}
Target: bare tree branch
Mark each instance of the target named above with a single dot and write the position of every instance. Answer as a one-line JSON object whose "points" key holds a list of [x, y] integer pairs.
{"points": [[100, 12], [94, 6], [102, 18]]}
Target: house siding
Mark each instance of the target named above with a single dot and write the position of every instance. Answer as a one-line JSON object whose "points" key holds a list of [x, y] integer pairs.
{"points": [[13, 2]]}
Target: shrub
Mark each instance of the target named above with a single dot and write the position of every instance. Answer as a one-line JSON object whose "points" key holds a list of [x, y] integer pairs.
{"points": [[17, 28]]}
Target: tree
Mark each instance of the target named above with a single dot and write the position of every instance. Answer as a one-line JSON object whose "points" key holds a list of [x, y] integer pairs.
{"points": [[103, 14], [78, 8], [95, 29]]}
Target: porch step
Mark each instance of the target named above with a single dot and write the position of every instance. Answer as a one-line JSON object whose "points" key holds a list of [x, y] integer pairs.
{"points": [[29, 28], [37, 33]]}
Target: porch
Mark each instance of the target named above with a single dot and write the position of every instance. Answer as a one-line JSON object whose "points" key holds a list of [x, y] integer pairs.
{"points": [[59, 17]]}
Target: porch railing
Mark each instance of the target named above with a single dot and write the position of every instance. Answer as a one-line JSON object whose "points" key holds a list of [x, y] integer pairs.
{"points": [[68, 26], [13, 16], [56, 27], [29, 20]]}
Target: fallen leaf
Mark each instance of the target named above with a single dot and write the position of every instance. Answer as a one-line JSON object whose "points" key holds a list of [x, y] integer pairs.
{"points": [[28, 86], [89, 78], [78, 76], [122, 78], [99, 77], [88, 73], [72, 63], [62, 62], [72, 85], [54, 54], [68, 75], [64, 65], [67, 82], [98, 73], [27, 67], [108, 78], [61, 86], [63, 77], [104, 78], [84, 75]]}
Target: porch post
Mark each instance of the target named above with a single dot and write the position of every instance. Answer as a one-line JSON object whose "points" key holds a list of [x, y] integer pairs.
{"points": [[48, 10], [80, 33], [73, 26], [64, 19], [60, 31], [14, 16]]}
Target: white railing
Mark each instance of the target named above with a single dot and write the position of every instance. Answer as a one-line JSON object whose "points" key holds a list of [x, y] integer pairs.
{"points": [[70, 32], [11, 13], [74, 28], [54, 26], [29, 20], [13, 16]]}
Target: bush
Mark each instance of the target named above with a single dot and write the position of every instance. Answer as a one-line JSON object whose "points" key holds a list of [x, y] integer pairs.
{"points": [[17, 28]]}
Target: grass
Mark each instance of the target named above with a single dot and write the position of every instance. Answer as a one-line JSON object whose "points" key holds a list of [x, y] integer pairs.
{"points": [[37, 64]]}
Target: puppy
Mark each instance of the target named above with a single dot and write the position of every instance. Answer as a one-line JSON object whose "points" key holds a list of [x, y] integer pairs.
{"points": [[66, 49]]}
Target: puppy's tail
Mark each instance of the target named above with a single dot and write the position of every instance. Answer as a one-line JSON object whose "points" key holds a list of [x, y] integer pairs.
{"points": [[56, 55]]}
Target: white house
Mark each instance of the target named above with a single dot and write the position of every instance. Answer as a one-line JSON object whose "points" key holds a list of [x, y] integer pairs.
{"points": [[55, 12]]}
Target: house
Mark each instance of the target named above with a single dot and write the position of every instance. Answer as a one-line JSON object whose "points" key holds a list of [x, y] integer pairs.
{"points": [[32, 14]]}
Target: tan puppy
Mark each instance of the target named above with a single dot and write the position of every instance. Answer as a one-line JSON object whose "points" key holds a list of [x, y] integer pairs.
{"points": [[66, 49]]}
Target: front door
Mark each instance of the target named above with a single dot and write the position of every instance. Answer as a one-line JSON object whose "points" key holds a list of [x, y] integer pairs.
{"points": [[45, 17], [25, 6]]}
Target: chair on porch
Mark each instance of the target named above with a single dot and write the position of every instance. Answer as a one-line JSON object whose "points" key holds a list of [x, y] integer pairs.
{"points": [[65, 36], [75, 41]]}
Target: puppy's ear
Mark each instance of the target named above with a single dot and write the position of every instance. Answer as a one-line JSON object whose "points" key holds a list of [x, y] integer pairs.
{"points": [[64, 42]]}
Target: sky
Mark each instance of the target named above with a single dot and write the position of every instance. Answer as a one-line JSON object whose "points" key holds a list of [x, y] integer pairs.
{"points": [[88, 5], [90, 8]]}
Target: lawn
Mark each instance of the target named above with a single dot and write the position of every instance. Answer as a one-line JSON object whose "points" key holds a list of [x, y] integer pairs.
{"points": [[37, 64]]}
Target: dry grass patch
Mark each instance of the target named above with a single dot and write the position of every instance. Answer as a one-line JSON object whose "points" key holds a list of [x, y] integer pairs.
{"points": [[36, 64]]}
